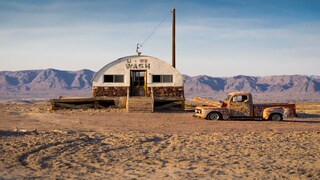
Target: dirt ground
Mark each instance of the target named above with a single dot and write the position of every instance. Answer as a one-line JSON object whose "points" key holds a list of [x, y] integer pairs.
{"points": [[110, 143]]}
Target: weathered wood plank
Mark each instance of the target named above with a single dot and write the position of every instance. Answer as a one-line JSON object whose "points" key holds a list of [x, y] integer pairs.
{"points": [[73, 106], [72, 100], [173, 104], [169, 99]]}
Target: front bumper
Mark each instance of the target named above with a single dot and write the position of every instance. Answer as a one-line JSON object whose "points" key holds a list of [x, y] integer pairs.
{"points": [[198, 114]]}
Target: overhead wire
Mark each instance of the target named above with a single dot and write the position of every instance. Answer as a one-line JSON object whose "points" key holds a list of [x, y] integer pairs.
{"points": [[139, 45]]}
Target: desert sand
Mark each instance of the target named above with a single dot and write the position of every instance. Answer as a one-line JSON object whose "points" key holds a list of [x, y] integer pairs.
{"points": [[110, 143]]}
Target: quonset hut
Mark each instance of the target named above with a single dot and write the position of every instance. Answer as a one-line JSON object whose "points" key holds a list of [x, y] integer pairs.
{"points": [[140, 83]]}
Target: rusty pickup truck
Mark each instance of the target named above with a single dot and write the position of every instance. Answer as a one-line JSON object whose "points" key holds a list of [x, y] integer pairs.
{"points": [[239, 105]]}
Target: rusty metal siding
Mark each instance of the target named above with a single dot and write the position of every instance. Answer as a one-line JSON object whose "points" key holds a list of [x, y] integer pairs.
{"points": [[152, 65]]}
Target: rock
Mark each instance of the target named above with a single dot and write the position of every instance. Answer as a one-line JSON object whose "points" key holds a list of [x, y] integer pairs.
{"points": [[15, 129]]}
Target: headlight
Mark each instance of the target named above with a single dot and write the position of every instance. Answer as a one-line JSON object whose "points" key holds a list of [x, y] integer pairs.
{"points": [[198, 111]]}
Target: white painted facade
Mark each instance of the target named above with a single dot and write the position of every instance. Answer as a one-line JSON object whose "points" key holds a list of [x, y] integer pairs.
{"points": [[151, 65]]}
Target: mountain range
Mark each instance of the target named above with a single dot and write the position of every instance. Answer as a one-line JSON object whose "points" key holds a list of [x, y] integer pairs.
{"points": [[52, 83], [48, 83]]}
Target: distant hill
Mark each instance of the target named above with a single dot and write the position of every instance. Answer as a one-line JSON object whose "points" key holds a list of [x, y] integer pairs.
{"points": [[268, 88], [51, 83]]}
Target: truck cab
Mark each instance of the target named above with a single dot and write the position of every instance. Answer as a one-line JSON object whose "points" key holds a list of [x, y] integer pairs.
{"points": [[240, 104]]}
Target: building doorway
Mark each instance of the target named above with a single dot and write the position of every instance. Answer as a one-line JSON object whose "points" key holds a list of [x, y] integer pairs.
{"points": [[138, 83]]}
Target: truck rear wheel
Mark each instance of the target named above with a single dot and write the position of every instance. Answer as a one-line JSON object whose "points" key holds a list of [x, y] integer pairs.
{"points": [[276, 117], [214, 116]]}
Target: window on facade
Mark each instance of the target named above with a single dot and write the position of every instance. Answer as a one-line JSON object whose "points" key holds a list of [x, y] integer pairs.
{"points": [[162, 78], [167, 78], [156, 78], [113, 78], [118, 78]]}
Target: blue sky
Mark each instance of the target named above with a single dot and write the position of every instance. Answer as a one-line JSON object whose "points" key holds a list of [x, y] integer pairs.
{"points": [[214, 37]]}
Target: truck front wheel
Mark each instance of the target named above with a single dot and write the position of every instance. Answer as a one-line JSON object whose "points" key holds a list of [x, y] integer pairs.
{"points": [[214, 116], [276, 117]]}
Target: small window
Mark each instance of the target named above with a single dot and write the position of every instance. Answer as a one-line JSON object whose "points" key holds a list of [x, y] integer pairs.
{"points": [[113, 78], [162, 78], [156, 78], [108, 78], [118, 78], [166, 78]]}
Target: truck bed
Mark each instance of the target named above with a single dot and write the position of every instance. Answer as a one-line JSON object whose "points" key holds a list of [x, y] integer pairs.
{"points": [[258, 108]]}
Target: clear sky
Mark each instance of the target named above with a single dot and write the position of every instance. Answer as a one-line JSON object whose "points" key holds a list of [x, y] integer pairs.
{"points": [[214, 37]]}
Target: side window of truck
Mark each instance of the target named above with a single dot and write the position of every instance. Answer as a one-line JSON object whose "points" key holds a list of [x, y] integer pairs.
{"points": [[245, 98], [240, 98], [237, 98]]}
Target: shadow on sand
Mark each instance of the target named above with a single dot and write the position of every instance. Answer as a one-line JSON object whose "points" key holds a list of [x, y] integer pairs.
{"points": [[304, 115], [302, 121], [16, 133]]}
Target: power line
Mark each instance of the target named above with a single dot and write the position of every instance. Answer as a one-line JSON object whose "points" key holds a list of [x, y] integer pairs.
{"points": [[139, 45]]}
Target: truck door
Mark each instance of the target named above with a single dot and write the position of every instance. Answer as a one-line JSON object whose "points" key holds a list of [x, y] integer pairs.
{"points": [[240, 106]]}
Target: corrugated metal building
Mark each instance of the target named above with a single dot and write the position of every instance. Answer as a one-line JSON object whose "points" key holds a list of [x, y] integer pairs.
{"points": [[140, 83]]}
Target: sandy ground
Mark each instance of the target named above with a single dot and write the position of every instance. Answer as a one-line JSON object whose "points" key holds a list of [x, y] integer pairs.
{"points": [[114, 144]]}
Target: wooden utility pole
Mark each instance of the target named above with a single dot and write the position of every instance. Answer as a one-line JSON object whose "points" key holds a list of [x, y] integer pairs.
{"points": [[174, 37]]}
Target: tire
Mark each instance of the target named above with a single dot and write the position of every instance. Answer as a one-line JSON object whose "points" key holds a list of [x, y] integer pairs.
{"points": [[276, 117], [214, 116]]}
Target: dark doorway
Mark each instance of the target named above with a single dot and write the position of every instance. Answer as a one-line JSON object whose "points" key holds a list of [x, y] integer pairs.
{"points": [[138, 83]]}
